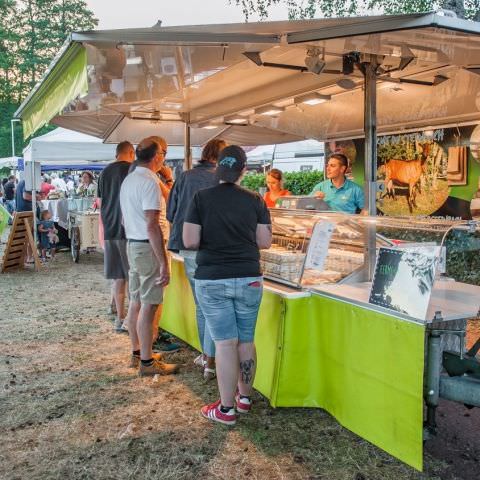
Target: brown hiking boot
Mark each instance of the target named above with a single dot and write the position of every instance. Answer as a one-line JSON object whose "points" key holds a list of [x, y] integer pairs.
{"points": [[157, 368], [135, 361]]}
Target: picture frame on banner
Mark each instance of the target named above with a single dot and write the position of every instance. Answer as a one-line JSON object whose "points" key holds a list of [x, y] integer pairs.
{"points": [[404, 278]]}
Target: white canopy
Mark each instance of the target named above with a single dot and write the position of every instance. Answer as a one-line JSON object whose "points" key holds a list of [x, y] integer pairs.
{"points": [[67, 147], [208, 73], [9, 162], [62, 146]]}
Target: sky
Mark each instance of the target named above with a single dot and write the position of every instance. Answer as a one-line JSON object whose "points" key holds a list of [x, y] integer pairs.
{"points": [[145, 13]]}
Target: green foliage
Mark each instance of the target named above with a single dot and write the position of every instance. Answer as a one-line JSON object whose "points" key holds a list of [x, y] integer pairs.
{"points": [[299, 9], [4, 172], [31, 33], [298, 183], [254, 181], [463, 248]]}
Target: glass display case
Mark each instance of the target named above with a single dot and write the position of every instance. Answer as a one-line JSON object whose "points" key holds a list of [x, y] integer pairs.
{"points": [[312, 248], [299, 257]]}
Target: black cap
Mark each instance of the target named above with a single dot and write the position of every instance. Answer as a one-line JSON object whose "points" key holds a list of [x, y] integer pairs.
{"points": [[231, 162]]}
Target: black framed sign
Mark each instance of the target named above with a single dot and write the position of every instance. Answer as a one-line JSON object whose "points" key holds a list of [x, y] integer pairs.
{"points": [[403, 281]]}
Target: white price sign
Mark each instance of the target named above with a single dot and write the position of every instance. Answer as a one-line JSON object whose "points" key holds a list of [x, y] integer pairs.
{"points": [[318, 248]]}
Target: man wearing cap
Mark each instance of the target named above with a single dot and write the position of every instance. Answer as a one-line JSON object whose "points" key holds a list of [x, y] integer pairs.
{"points": [[228, 225], [140, 201]]}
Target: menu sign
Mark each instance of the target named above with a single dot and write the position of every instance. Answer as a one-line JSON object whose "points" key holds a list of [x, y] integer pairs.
{"points": [[403, 281], [318, 248]]}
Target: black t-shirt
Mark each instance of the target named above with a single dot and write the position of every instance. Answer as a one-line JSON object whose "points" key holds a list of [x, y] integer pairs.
{"points": [[228, 215], [22, 205], [109, 184], [9, 190]]}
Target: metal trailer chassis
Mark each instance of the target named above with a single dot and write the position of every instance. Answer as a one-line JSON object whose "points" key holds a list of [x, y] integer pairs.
{"points": [[451, 373]]}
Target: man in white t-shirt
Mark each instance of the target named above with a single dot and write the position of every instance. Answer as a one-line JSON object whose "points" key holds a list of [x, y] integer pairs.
{"points": [[140, 202]]}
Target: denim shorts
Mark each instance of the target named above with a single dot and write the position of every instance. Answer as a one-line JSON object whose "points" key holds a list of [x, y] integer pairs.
{"points": [[230, 306]]}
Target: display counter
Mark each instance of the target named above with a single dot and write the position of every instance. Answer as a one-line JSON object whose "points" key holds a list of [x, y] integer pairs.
{"points": [[450, 300], [324, 345], [363, 367]]}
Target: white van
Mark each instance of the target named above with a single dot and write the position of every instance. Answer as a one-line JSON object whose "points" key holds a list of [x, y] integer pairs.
{"points": [[288, 157]]}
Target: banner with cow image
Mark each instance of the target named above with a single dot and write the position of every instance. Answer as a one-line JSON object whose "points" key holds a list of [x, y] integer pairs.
{"points": [[433, 172]]}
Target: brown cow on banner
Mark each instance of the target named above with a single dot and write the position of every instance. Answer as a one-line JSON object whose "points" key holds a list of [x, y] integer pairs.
{"points": [[406, 173]]}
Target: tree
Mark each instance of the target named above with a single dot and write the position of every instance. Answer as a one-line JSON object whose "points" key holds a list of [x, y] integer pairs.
{"points": [[31, 33], [9, 39], [330, 8]]}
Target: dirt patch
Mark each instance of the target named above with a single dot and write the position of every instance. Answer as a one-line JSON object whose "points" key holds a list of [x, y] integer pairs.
{"points": [[70, 407]]}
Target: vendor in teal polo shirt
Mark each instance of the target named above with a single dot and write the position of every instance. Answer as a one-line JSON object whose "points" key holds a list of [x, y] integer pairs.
{"points": [[341, 194]]}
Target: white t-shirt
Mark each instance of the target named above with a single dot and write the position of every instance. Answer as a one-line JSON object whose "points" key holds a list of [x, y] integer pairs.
{"points": [[140, 191], [59, 184]]}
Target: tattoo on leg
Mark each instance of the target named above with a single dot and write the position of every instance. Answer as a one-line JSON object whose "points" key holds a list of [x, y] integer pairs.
{"points": [[246, 370]]}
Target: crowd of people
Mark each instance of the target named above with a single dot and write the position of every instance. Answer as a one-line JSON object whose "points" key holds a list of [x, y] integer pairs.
{"points": [[214, 224], [218, 227], [16, 198]]}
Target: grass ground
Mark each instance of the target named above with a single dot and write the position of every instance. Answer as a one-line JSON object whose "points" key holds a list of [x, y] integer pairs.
{"points": [[71, 409]]}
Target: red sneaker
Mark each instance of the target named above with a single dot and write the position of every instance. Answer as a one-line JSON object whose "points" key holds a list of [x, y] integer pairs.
{"points": [[244, 405], [213, 412]]}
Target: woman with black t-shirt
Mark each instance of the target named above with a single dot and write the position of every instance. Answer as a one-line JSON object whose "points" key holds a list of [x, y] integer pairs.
{"points": [[228, 225]]}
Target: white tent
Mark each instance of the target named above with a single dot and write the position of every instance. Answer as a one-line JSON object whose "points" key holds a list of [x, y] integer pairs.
{"points": [[9, 162], [66, 147]]}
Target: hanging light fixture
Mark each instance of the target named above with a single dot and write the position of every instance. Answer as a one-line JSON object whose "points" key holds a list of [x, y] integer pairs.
{"points": [[312, 98], [346, 83], [208, 126], [236, 120], [269, 110]]}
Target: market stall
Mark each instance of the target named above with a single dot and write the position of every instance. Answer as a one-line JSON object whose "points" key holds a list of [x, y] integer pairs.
{"points": [[320, 342]]}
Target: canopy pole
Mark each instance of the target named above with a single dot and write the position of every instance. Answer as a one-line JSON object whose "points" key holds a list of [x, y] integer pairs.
{"points": [[34, 202], [187, 164], [370, 130]]}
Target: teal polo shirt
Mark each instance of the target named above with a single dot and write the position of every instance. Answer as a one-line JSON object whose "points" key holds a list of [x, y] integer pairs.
{"points": [[346, 199]]}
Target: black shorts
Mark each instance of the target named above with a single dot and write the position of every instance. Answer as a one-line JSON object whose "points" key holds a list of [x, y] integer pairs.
{"points": [[115, 261]]}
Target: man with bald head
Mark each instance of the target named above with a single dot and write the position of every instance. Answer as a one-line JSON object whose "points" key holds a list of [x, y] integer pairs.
{"points": [[115, 248], [141, 202]]}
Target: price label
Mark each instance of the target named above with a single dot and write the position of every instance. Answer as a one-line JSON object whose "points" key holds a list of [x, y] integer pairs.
{"points": [[319, 243]]}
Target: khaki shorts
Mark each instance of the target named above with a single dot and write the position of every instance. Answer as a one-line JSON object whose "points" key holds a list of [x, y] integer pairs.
{"points": [[144, 271]]}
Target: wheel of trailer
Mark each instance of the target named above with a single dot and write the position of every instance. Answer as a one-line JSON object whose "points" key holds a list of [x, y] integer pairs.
{"points": [[75, 244]]}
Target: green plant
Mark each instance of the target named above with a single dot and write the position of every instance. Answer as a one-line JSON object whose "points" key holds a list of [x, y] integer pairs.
{"points": [[302, 183], [4, 172], [254, 181], [298, 183]]}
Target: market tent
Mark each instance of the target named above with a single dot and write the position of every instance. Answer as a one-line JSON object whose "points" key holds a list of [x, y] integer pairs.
{"points": [[63, 147], [67, 148], [203, 75], [94, 167], [269, 75], [9, 162]]}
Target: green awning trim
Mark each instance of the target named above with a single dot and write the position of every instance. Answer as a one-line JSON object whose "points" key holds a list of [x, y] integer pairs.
{"points": [[66, 81]]}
